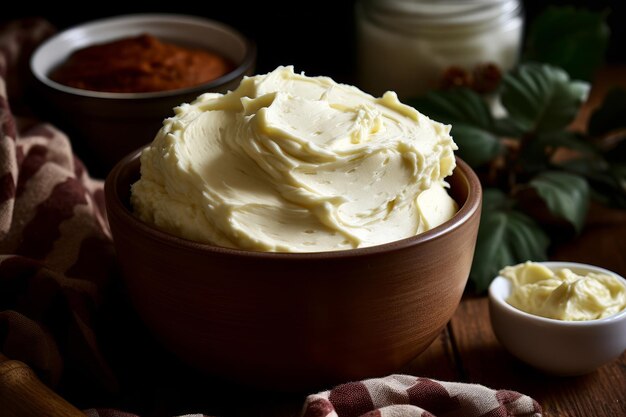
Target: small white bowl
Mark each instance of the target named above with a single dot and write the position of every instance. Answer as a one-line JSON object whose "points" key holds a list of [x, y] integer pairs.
{"points": [[559, 347]]}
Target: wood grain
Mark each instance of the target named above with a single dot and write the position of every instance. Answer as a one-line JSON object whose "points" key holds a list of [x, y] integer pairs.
{"points": [[437, 362], [23, 395], [485, 361]]}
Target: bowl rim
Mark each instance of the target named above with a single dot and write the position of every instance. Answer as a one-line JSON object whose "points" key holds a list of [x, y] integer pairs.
{"points": [[114, 204], [498, 298], [238, 71]]}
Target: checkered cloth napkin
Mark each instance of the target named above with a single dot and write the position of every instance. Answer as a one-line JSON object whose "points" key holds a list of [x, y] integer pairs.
{"points": [[408, 396], [56, 260]]}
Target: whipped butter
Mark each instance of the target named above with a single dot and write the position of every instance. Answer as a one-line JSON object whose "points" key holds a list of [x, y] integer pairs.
{"points": [[563, 294], [292, 163]]}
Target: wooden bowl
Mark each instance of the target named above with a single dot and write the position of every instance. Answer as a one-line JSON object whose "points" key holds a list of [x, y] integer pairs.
{"points": [[295, 321]]}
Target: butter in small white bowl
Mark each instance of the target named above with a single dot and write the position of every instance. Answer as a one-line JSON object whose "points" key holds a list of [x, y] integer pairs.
{"points": [[586, 323]]}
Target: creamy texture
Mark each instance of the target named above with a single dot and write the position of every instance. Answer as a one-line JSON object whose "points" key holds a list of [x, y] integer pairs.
{"points": [[296, 164], [563, 294]]}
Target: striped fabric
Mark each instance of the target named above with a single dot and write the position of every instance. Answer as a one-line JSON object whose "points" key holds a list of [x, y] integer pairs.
{"points": [[56, 260]]}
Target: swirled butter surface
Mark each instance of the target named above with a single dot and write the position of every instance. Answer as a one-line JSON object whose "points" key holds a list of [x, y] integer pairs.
{"points": [[293, 163], [563, 294]]}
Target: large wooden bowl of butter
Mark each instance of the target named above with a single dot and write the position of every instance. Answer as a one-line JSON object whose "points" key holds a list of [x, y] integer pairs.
{"points": [[242, 261]]}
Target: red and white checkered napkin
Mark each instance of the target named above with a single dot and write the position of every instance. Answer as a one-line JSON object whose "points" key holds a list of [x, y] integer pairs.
{"points": [[409, 396]]}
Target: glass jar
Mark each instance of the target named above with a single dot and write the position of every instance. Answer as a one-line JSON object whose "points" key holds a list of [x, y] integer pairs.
{"points": [[407, 45]]}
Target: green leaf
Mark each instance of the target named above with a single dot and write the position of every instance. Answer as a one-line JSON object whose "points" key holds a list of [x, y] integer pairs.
{"points": [[506, 127], [471, 122], [619, 173], [575, 40], [476, 146], [607, 175], [566, 195], [494, 199], [460, 105], [536, 156], [611, 115], [567, 139], [587, 167], [505, 237], [607, 181], [542, 98]]}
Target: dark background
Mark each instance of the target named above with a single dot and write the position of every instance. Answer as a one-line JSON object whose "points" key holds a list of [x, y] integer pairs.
{"points": [[317, 37]]}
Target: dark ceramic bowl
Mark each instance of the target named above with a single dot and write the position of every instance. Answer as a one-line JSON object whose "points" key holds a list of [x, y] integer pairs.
{"points": [[295, 321], [114, 124]]}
